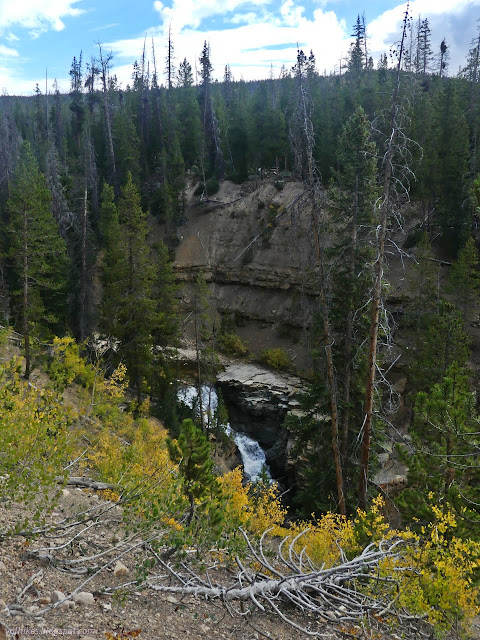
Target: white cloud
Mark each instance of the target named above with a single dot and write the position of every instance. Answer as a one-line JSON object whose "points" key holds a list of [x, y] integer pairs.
{"points": [[36, 16], [17, 85], [324, 33], [7, 51], [291, 14], [242, 41], [244, 18], [191, 13]]}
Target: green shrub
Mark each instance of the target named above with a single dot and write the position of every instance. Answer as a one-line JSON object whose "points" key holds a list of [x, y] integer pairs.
{"points": [[232, 345], [35, 444], [276, 358], [66, 365], [211, 186]]}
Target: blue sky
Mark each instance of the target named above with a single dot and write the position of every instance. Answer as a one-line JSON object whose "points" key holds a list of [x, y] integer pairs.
{"points": [[36, 35]]}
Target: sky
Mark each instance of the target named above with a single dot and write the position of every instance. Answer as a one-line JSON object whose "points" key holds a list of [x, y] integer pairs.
{"points": [[39, 38]]}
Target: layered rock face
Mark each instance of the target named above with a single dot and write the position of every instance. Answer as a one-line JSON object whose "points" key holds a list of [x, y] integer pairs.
{"points": [[254, 251]]}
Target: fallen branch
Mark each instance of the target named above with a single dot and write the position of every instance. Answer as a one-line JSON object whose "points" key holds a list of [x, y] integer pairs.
{"points": [[87, 483], [335, 595]]}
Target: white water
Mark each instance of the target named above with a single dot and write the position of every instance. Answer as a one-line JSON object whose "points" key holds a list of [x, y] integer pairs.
{"points": [[252, 454]]}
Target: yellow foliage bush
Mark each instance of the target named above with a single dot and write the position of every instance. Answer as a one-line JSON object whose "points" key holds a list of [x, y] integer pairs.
{"points": [[441, 583], [266, 510], [140, 463], [237, 511], [66, 364], [115, 386], [323, 538], [35, 444]]}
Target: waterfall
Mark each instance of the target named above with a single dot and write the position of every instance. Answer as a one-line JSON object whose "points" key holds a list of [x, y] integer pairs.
{"points": [[252, 454]]}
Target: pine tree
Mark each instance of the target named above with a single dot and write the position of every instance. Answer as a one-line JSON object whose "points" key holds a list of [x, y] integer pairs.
{"points": [[212, 156], [82, 248], [163, 374], [443, 58], [424, 50], [127, 144], [441, 344], [129, 309], [76, 105], [443, 468], [465, 277], [184, 74], [38, 253], [453, 154], [424, 282], [192, 454], [357, 48]]}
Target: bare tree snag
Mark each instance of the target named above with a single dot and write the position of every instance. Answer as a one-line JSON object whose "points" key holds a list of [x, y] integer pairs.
{"points": [[330, 369], [384, 207], [305, 163], [349, 333], [104, 69]]}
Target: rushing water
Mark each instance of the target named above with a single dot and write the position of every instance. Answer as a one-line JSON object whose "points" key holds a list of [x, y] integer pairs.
{"points": [[252, 454]]}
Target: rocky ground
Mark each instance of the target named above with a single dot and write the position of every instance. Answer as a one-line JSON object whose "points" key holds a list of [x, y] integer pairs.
{"points": [[39, 599]]}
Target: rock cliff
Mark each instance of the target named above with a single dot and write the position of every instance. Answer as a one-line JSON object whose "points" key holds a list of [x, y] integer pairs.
{"points": [[251, 244]]}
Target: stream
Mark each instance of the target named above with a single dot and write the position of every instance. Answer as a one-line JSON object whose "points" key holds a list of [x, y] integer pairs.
{"points": [[252, 454]]}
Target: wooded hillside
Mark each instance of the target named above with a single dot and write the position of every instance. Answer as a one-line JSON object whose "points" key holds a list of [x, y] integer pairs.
{"points": [[85, 178]]}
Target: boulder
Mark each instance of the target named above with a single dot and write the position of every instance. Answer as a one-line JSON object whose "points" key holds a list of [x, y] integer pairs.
{"points": [[120, 570], [56, 596], [83, 597], [259, 399]]}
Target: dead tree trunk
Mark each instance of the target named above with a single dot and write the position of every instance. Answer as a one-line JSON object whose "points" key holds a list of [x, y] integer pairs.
{"points": [[104, 66], [349, 332], [82, 325], [305, 162], [384, 207]]}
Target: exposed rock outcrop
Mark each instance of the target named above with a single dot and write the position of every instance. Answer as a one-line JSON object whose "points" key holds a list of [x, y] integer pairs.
{"points": [[254, 252], [258, 401]]}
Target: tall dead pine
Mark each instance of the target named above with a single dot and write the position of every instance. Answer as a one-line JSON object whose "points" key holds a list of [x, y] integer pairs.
{"points": [[303, 141], [383, 209]]}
